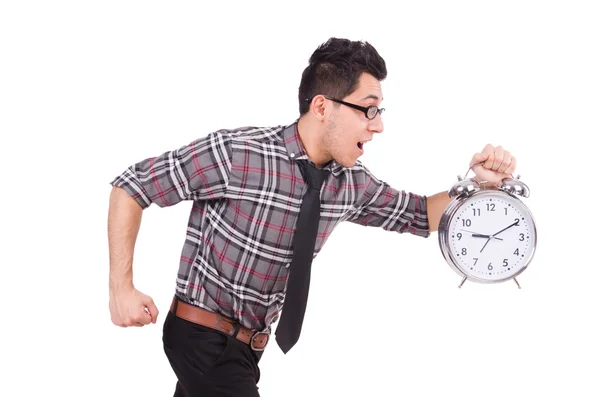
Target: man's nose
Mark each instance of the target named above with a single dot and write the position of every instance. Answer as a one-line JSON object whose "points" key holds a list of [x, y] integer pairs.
{"points": [[376, 125]]}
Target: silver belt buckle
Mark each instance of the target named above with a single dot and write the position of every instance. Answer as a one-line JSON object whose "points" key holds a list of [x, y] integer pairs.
{"points": [[252, 340]]}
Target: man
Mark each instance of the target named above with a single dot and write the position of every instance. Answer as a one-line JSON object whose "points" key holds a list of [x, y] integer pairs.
{"points": [[265, 200]]}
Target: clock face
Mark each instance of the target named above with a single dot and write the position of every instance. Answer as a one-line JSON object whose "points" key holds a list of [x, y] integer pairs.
{"points": [[491, 236]]}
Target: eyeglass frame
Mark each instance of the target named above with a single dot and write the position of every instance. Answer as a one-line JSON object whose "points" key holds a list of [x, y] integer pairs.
{"points": [[364, 109]]}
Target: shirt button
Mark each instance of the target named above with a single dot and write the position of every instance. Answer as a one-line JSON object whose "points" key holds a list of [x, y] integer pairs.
{"points": [[287, 266], [292, 155]]}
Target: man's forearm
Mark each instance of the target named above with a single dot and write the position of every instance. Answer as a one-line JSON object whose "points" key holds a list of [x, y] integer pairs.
{"points": [[436, 205], [124, 218]]}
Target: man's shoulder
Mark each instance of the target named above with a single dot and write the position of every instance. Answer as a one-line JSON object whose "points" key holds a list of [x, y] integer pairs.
{"points": [[252, 134]]}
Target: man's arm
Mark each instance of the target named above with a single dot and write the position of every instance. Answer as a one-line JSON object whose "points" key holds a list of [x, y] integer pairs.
{"points": [[380, 205], [124, 219], [436, 205], [127, 305], [198, 171]]}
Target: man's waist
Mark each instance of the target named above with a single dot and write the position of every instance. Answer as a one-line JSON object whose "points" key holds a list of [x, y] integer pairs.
{"points": [[257, 340]]}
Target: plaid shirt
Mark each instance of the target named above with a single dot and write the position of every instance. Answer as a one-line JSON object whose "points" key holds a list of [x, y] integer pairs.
{"points": [[246, 190]]}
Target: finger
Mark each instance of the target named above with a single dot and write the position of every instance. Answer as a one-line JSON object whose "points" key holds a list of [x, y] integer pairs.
{"points": [[479, 158], [137, 321], [152, 310], [489, 162], [506, 160], [513, 166], [143, 318], [498, 158]]}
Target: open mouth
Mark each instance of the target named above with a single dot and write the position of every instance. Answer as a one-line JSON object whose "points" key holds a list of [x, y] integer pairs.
{"points": [[360, 145]]}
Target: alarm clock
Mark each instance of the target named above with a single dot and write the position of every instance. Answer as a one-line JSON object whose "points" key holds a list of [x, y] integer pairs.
{"points": [[487, 234]]}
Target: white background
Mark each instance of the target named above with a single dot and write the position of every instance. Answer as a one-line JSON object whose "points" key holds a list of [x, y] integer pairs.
{"points": [[89, 88]]}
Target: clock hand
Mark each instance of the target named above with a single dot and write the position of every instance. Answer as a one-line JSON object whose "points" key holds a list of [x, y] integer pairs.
{"points": [[486, 243], [486, 236], [475, 234], [494, 235], [507, 227], [480, 235]]}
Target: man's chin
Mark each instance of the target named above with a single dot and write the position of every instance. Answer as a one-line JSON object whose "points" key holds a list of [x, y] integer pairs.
{"points": [[347, 163]]}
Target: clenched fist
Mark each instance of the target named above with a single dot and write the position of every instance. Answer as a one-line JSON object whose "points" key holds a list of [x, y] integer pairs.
{"points": [[497, 164], [129, 307]]}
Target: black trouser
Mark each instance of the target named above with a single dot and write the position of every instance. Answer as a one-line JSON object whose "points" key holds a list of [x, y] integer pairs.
{"points": [[208, 362]]}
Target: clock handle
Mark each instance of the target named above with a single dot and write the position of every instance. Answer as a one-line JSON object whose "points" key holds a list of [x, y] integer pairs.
{"points": [[472, 165], [482, 163]]}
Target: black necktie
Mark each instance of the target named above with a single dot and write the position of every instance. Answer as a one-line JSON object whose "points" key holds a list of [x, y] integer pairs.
{"points": [[307, 226]]}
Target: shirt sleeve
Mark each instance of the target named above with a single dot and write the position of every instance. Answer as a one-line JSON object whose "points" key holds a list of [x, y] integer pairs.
{"points": [[198, 171], [381, 205]]}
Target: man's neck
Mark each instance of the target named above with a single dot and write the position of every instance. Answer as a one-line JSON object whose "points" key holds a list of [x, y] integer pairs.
{"points": [[311, 140]]}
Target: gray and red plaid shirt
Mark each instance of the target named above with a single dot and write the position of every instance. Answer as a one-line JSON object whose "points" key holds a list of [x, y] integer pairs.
{"points": [[246, 190]]}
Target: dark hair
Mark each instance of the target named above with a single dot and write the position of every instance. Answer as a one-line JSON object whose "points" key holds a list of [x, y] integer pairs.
{"points": [[335, 68]]}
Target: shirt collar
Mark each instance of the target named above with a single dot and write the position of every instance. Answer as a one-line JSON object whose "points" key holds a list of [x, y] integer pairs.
{"points": [[295, 149]]}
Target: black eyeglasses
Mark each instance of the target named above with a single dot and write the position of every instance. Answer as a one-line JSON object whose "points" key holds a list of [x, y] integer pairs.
{"points": [[370, 111]]}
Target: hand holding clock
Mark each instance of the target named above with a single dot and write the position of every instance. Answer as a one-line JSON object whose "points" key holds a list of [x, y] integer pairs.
{"points": [[497, 164]]}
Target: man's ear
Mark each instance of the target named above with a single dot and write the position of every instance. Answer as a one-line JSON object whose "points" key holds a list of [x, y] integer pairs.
{"points": [[318, 107]]}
